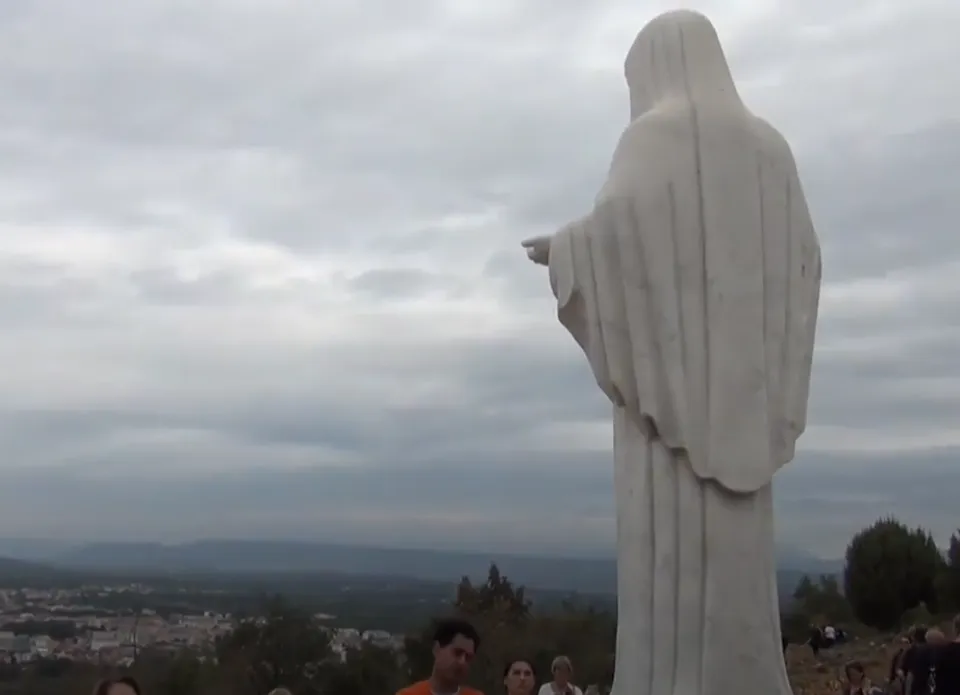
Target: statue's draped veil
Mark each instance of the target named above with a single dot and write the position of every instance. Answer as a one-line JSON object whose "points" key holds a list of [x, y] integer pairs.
{"points": [[679, 55]]}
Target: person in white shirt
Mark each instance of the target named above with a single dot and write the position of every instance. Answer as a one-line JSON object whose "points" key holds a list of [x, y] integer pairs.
{"points": [[562, 671], [829, 635]]}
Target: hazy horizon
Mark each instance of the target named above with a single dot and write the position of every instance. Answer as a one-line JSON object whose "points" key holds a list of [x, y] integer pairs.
{"points": [[50, 548]]}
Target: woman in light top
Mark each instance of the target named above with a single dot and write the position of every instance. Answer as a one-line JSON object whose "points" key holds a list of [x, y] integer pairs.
{"points": [[562, 671]]}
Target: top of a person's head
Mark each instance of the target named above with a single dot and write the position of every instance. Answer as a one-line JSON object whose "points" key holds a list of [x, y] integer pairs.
{"points": [[280, 691], [514, 662], [104, 686], [561, 662], [852, 667], [449, 629], [919, 634], [935, 636]]}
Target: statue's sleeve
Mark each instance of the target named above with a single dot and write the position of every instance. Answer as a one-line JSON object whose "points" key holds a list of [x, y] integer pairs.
{"points": [[573, 278], [562, 272], [803, 296], [804, 307]]}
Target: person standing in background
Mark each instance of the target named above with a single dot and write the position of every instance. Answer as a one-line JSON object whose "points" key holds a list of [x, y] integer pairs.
{"points": [[946, 675], [562, 671], [918, 663]]}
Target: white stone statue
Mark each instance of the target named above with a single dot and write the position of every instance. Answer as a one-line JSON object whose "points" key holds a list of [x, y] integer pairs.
{"points": [[692, 288]]}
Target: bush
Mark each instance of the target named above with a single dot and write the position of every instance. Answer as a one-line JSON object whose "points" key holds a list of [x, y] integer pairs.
{"points": [[889, 570]]}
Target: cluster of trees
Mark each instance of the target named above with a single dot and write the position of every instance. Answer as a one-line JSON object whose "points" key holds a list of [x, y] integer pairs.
{"points": [[286, 646], [893, 576]]}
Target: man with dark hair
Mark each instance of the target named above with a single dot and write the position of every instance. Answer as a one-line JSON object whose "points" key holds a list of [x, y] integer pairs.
{"points": [[455, 643], [918, 636]]}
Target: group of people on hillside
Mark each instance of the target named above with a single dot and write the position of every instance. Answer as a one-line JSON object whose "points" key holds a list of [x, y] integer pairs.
{"points": [[455, 644], [825, 637], [928, 664]]}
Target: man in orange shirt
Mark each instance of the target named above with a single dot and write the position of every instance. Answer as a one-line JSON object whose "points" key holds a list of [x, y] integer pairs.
{"points": [[455, 643]]}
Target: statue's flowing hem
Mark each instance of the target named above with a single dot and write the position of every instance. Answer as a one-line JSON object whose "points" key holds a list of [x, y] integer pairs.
{"points": [[698, 609]]}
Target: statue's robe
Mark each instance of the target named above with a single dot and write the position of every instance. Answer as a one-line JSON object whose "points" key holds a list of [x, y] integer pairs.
{"points": [[692, 288]]}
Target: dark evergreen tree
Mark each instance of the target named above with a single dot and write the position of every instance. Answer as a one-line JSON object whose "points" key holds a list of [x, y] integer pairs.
{"points": [[891, 569]]}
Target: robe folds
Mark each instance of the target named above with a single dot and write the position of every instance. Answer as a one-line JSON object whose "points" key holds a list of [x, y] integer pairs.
{"points": [[693, 287]]}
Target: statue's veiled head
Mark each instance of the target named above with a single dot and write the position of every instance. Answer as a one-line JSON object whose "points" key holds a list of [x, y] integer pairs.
{"points": [[677, 55]]}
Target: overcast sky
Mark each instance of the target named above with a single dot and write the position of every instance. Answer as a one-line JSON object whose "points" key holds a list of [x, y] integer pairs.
{"points": [[260, 272]]}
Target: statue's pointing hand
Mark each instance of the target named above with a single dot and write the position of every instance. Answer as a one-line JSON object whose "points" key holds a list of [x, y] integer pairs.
{"points": [[538, 249]]}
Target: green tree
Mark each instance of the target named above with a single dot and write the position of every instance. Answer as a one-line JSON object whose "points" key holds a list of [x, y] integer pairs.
{"points": [[183, 673], [285, 648], [365, 670], [497, 596], [948, 583], [889, 570], [821, 601], [510, 627]]}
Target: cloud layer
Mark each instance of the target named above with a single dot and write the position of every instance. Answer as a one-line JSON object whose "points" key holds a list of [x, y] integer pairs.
{"points": [[260, 272]]}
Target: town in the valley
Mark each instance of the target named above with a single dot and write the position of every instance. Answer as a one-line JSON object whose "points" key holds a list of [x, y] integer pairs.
{"points": [[68, 624]]}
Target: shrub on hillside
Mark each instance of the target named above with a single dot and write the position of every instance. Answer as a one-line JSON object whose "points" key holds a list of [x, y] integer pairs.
{"points": [[889, 570], [818, 603]]}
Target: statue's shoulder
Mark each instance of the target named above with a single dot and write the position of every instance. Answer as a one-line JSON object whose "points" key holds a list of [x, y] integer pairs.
{"points": [[644, 147], [658, 147], [773, 140], [673, 127], [656, 126]]}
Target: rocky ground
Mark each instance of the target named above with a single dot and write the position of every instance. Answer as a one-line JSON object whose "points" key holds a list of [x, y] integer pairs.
{"points": [[813, 676]]}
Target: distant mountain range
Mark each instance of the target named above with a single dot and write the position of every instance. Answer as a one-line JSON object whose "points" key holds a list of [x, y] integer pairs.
{"points": [[12, 570], [582, 575]]}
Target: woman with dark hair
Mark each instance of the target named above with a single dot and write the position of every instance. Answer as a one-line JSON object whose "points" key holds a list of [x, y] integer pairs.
{"points": [[519, 677], [856, 681], [126, 685]]}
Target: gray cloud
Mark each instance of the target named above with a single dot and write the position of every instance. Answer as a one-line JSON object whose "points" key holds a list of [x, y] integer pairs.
{"points": [[261, 262]]}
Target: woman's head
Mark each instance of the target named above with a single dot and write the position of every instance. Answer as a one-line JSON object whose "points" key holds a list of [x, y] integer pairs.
{"points": [[118, 686], [854, 672], [562, 670], [519, 678]]}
